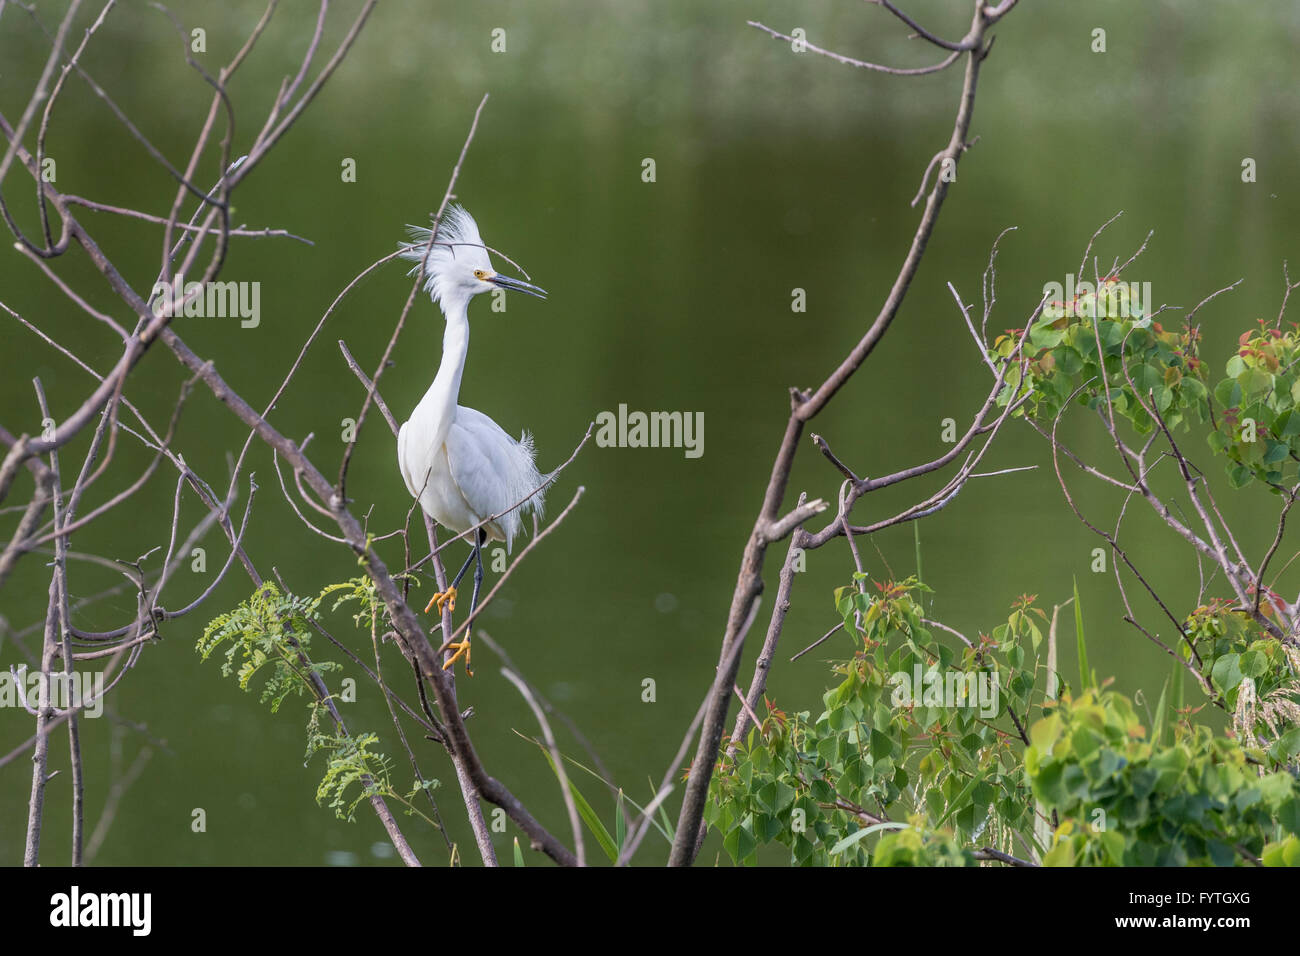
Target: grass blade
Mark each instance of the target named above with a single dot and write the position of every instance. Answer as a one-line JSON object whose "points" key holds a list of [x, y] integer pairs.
{"points": [[620, 822], [853, 838], [1084, 681], [588, 815]]}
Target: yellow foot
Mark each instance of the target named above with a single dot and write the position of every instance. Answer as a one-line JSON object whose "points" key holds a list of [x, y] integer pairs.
{"points": [[447, 597], [462, 647]]}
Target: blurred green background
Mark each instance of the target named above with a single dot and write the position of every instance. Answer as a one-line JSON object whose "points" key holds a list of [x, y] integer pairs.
{"points": [[774, 171]]}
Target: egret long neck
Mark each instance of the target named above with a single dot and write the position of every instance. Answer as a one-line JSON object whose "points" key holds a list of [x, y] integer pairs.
{"points": [[437, 409]]}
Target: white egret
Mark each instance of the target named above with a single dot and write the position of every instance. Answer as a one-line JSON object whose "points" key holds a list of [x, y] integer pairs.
{"points": [[460, 464]]}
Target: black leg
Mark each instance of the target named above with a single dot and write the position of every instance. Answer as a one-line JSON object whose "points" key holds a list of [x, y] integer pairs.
{"points": [[463, 568], [477, 558], [478, 572], [442, 595]]}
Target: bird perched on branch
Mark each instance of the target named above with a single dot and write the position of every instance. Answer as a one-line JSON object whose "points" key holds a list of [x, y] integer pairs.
{"points": [[466, 472]]}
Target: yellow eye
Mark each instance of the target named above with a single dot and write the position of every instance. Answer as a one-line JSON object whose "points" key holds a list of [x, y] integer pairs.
{"points": [[480, 275]]}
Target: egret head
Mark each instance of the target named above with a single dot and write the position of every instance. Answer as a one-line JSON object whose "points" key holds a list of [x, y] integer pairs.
{"points": [[458, 267]]}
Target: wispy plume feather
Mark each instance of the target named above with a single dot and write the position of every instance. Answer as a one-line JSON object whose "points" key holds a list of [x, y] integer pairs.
{"points": [[458, 241]]}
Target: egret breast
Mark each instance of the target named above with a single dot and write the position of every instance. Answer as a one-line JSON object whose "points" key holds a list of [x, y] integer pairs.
{"points": [[440, 496]]}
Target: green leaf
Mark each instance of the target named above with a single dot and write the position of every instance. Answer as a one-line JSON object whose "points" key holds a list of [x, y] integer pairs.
{"points": [[1255, 382], [1286, 746], [1283, 853], [1239, 475], [853, 838], [1043, 336], [1288, 424], [961, 797], [916, 536], [1084, 682], [1253, 663], [589, 817], [1227, 672], [1157, 731], [1275, 451], [1147, 378], [1228, 393], [1068, 359], [1060, 855], [1176, 703], [1044, 733], [881, 745], [620, 822], [739, 843]]}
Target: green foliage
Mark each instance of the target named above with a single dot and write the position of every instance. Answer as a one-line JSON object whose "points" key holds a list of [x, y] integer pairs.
{"points": [[888, 775], [350, 761], [1099, 347], [943, 754], [916, 845], [269, 628], [1124, 799], [270, 634], [607, 844], [1086, 677], [1231, 649], [361, 591], [1262, 387], [610, 844], [887, 778], [1254, 672]]}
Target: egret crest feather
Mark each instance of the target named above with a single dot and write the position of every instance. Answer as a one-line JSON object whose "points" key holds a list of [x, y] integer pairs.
{"points": [[458, 247]]}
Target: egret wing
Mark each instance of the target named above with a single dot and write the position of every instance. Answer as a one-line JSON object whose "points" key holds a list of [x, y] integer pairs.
{"points": [[492, 470], [414, 462]]}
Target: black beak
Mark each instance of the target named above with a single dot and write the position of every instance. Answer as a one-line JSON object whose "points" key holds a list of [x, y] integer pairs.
{"points": [[517, 285]]}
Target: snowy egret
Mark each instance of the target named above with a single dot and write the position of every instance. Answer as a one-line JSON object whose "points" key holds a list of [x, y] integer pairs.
{"points": [[460, 464]]}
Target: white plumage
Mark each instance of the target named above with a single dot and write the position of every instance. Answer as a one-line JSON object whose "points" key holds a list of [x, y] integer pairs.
{"points": [[459, 463], [478, 471]]}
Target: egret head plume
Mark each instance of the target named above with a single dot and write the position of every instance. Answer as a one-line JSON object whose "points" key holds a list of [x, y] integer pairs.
{"points": [[458, 265]]}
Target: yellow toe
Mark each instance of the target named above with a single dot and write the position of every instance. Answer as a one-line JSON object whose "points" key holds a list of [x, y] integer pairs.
{"points": [[462, 647], [447, 597]]}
